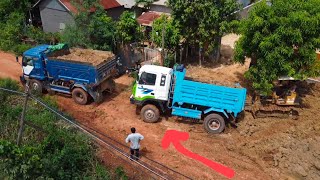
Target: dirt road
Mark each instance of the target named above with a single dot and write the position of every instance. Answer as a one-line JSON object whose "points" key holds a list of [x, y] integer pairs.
{"points": [[9, 67], [258, 149]]}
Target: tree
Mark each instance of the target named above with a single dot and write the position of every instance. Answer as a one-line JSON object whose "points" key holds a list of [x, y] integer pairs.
{"points": [[127, 32], [13, 24], [128, 29], [203, 22], [171, 33], [92, 28], [280, 39]]}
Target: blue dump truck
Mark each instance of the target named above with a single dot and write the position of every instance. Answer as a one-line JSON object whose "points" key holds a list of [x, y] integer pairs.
{"points": [[160, 89], [82, 73]]}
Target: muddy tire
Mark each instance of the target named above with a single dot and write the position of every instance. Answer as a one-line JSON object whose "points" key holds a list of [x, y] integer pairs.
{"points": [[80, 96], [150, 113], [214, 123], [36, 87]]}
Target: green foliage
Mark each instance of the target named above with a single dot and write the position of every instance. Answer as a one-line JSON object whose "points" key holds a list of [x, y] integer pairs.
{"points": [[75, 37], [41, 37], [91, 30], [56, 150], [7, 83], [120, 174], [204, 22], [19, 48], [128, 29], [169, 60], [13, 27], [281, 40], [171, 32], [11, 31]]}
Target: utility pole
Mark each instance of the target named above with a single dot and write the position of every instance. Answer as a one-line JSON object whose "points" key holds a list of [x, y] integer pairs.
{"points": [[21, 128]]}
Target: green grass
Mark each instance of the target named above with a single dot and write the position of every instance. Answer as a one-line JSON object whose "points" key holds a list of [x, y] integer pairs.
{"points": [[55, 150]]}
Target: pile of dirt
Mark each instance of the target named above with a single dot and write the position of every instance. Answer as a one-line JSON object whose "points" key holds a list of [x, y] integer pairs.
{"points": [[224, 75], [285, 148], [94, 57]]}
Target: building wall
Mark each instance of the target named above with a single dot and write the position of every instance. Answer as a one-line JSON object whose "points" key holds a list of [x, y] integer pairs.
{"points": [[54, 16], [115, 13]]}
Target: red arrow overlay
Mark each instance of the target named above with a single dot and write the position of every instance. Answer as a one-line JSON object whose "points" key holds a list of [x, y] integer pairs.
{"points": [[174, 137]]}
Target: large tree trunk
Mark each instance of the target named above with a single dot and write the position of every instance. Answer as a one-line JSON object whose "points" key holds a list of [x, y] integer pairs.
{"points": [[216, 52]]}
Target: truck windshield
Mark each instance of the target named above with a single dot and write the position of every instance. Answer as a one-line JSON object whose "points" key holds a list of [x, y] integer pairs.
{"points": [[27, 61], [147, 78]]}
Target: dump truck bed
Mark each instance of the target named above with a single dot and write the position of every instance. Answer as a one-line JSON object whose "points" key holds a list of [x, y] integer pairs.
{"points": [[85, 56], [207, 96], [84, 65]]}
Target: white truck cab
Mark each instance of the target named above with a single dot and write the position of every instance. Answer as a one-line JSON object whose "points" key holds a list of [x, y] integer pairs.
{"points": [[153, 83], [151, 91]]}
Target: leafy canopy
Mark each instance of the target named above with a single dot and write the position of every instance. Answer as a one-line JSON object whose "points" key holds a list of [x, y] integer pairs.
{"points": [[202, 21], [91, 29], [281, 40], [171, 32], [13, 26], [128, 29]]}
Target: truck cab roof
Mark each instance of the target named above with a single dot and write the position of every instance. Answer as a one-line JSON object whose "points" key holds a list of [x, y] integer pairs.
{"points": [[35, 51], [155, 68]]}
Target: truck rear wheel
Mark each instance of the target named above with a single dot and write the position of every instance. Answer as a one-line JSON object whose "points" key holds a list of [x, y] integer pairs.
{"points": [[80, 96], [214, 123], [35, 87], [150, 113]]}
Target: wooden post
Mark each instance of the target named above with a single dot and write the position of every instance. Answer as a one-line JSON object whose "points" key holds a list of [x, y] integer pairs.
{"points": [[21, 128]]}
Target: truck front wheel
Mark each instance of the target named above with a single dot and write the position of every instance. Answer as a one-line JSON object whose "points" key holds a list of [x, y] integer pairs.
{"points": [[35, 87], [80, 96], [150, 113], [214, 123]]}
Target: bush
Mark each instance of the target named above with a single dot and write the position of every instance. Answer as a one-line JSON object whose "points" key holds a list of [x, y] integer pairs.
{"points": [[7, 84], [51, 150]]}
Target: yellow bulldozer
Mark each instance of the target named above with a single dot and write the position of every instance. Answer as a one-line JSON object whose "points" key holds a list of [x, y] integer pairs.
{"points": [[283, 102]]}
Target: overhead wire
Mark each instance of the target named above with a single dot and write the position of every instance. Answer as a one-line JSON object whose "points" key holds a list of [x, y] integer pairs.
{"points": [[87, 130]]}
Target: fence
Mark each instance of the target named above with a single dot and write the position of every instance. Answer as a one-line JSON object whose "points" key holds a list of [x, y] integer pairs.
{"points": [[151, 56], [153, 168]]}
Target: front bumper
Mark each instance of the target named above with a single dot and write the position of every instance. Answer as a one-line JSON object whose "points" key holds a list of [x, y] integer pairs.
{"points": [[132, 101], [136, 102]]}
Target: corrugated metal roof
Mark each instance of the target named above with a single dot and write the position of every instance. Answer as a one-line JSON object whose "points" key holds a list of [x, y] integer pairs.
{"points": [[147, 18], [106, 4]]}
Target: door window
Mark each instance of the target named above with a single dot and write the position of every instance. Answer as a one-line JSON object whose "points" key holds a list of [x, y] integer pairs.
{"points": [[27, 61], [147, 79]]}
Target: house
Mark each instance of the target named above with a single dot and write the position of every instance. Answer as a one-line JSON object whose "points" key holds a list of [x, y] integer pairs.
{"points": [[56, 14], [160, 6]]}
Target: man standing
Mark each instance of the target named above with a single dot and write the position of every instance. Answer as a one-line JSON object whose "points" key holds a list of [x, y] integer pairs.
{"points": [[134, 139]]}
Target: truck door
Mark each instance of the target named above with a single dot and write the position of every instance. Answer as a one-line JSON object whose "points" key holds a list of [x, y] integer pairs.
{"points": [[146, 86], [32, 66], [27, 65], [163, 85]]}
